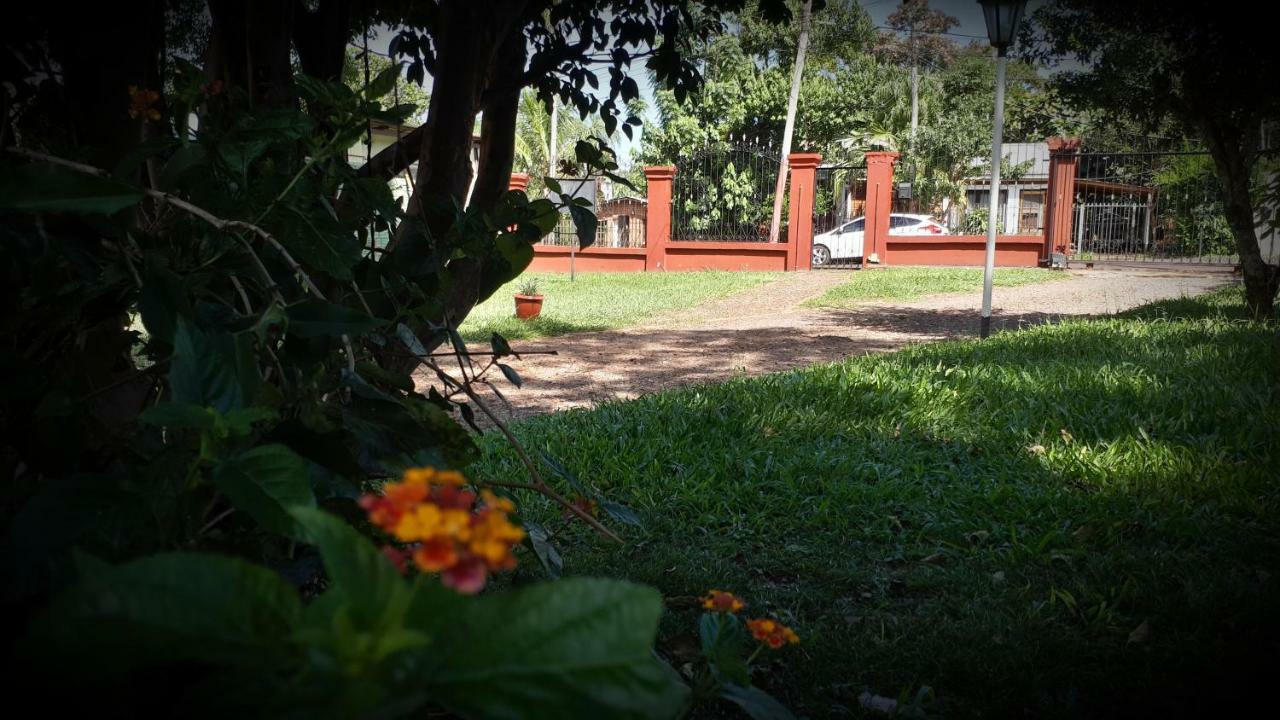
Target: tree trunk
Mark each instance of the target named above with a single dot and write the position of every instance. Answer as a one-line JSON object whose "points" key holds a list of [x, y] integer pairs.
{"points": [[251, 48], [802, 47], [102, 52], [1233, 147], [479, 43], [320, 37]]}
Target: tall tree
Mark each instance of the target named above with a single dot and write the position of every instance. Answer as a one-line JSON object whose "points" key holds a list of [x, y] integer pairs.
{"points": [[797, 76], [1212, 72]]}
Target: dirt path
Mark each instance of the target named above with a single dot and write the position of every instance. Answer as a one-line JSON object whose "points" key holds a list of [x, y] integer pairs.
{"points": [[765, 330]]}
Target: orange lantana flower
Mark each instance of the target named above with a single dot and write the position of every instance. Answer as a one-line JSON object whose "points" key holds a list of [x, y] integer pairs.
{"points": [[721, 601], [446, 530], [772, 633]]}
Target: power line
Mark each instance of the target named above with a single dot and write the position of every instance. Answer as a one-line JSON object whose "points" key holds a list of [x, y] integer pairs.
{"points": [[928, 32]]}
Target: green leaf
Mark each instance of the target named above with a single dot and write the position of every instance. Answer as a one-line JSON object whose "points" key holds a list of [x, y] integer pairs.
{"points": [[585, 222], [384, 82], [360, 573], [180, 415], [578, 647], [390, 378], [723, 641], [318, 318], [52, 188], [316, 240], [756, 703], [511, 375], [179, 606], [621, 513], [211, 369], [240, 422], [544, 215], [266, 482], [162, 300], [547, 553], [500, 345]]}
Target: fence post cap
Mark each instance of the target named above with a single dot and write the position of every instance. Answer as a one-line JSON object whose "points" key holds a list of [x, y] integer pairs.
{"points": [[1060, 144], [882, 156], [803, 160], [659, 172]]}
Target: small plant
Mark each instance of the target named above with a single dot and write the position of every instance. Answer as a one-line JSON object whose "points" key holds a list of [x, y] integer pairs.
{"points": [[529, 286], [729, 646]]}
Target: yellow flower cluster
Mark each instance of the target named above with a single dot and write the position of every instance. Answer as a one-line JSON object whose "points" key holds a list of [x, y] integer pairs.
{"points": [[447, 530]]}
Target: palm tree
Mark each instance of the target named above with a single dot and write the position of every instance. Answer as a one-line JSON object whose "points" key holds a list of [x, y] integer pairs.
{"points": [[533, 139]]}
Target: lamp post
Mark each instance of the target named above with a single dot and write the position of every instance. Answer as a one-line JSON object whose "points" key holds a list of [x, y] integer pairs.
{"points": [[1002, 18]]}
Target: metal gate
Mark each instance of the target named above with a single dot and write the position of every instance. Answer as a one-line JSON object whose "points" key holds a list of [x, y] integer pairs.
{"points": [[724, 192], [1150, 207], [839, 201]]}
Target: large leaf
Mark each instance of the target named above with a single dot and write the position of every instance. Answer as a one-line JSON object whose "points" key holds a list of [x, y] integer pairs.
{"points": [[585, 222], [50, 188], [359, 572], [214, 369], [266, 482], [317, 318], [180, 606], [758, 704], [316, 240], [572, 648], [162, 300], [723, 643]]}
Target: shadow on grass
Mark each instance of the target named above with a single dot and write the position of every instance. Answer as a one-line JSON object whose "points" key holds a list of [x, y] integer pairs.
{"points": [[922, 518]]}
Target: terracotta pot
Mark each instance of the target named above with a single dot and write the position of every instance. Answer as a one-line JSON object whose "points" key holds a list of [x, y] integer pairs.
{"points": [[528, 306]]}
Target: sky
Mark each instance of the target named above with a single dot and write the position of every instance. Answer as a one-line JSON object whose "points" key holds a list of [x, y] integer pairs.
{"points": [[971, 27]]}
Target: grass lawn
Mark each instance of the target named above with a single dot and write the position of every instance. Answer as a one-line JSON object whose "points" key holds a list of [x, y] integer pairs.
{"points": [[906, 283], [602, 301], [1076, 520]]}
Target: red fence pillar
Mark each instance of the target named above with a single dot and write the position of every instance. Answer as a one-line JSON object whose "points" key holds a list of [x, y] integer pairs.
{"points": [[803, 168], [657, 225], [519, 181], [875, 228], [1064, 160]]}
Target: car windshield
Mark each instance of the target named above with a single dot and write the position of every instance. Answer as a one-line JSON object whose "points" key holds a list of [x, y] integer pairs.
{"points": [[854, 226]]}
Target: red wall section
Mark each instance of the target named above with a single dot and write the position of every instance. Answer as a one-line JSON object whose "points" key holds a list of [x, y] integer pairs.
{"points": [[726, 256], [554, 258], [1011, 250]]}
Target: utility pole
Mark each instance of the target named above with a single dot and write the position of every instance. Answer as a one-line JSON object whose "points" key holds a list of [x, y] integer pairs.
{"points": [[551, 148], [802, 48]]}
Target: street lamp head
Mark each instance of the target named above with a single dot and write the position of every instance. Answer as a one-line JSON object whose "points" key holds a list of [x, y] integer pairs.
{"points": [[1002, 18]]}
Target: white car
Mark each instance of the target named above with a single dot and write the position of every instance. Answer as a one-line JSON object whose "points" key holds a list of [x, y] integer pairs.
{"points": [[845, 242]]}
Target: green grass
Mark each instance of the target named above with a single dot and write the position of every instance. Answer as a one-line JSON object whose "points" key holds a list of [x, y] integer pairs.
{"points": [[602, 301], [906, 283], [990, 519]]}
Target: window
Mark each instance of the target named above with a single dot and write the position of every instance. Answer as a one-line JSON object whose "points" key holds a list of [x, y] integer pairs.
{"points": [[855, 226], [1031, 212], [901, 221]]}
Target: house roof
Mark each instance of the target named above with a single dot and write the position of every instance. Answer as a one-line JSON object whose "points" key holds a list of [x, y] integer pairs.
{"points": [[1034, 155]]}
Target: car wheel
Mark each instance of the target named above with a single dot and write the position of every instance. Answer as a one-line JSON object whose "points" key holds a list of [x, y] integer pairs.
{"points": [[821, 256]]}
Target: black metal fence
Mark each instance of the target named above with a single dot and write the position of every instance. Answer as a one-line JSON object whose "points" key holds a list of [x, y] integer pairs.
{"points": [[724, 192], [1150, 207], [621, 231]]}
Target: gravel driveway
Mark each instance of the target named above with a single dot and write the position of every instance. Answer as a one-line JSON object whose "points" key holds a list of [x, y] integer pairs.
{"points": [[765, 330]]}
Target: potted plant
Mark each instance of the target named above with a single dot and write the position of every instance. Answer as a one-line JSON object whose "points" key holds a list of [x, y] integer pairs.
{"points": [[528, 301]]}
